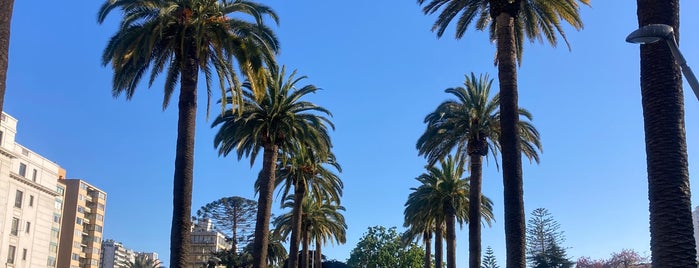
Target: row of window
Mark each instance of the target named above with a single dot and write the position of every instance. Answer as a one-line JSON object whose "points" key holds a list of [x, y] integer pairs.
{"points": [[11, 254], [19, 198], [15, 227], [23, 171]]}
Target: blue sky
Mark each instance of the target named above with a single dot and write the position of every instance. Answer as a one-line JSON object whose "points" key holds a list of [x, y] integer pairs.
{"points": [[382, 71]]}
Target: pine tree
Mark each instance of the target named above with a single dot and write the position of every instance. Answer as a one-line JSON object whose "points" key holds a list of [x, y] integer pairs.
{"points": [[489, 259], [544, 242]]}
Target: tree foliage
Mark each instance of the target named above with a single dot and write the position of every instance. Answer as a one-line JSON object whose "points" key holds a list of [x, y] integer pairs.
{"points": [[233, 216], [623, 259], [489, 260], [544, 241], [381, 247]]}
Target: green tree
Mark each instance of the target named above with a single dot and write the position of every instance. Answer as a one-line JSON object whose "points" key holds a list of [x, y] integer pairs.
{"points": [[274, 123], [234, 216], [307, 174], [444, 194], [5, 26], [470, 124], [182, 38], [489, 260], [143, 261], [381, 247], [509, 24], [544, 241], [672, 241]]}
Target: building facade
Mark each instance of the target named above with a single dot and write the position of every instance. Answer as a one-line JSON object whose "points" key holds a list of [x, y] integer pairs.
{"points": [[205, 241], [30, 203], [115, 255], [81, 228]]}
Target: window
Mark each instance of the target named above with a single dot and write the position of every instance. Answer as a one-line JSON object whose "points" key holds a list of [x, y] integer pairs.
{"points": [[15, 227], [81, 209], [100, 206], [31, 200], [78, 233], [53, 247], [59, 203], [98, 228], [54, 232], [29, 225], [22, 169], [56, 218], [100, 217], [79, 221], [76, 244], [24, 254], [1, 136], [75, 257], [25, 152], [81, 197], [18, 199], [102, 196], [83, 186], [11, 254], [51, 262], [34, 174], [60, 190]]}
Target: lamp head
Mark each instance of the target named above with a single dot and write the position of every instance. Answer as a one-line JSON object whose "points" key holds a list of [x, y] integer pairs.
{"points": [[650, 33]]}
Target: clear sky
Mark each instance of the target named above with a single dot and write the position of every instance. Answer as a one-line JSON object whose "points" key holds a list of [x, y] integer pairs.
{"points": [[382, 71]]}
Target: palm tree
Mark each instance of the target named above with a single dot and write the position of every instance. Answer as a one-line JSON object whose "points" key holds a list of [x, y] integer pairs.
{"points": [[672, 242], [419, 227], [182, 38], [444, 197], [305, 172], [471, 125], [275, 123], [509, 23], [321, 222], [143, 261], [5, 25]]}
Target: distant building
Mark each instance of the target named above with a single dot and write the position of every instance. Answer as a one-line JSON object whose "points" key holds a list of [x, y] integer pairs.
{"points": [[205, 241], [31, 200], [695, 222], [115, 255], [83, 221]]}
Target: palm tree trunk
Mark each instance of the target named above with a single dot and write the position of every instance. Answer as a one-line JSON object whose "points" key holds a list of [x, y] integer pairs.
{"points": [[299, 192], [672, 241], [474, 212], [318, 256], [5, 25], [511, 152], [451, 235], [264, 206], [438, 245], [184, 166], [428, 249], [306, 242]]}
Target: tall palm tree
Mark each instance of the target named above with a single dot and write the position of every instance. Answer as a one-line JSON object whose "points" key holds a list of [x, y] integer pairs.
{"points": [[445, 195], [509, 23], [182, 38], [321, 222], [306, 173], [672, 242], [5, 25], [419, 227], [275, 123], [470, 124]]}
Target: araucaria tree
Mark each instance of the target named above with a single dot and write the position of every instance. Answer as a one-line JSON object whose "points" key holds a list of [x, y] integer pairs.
{"points": [[277, 122], [544, 241], [509, 22], [234, 216], [183, 38], [672, 242], [470, 124], [489, 260]]}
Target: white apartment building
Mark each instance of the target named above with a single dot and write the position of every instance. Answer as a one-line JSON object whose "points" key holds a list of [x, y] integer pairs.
{"points": [[115, 255], [205, 241], [695, 222], [31, 203]]}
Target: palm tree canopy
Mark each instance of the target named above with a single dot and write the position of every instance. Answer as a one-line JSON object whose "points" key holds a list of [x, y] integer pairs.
{"points": [[304, 169], [534, 19], [164, 35], [279, 118], [472, 117], [440, 187]]}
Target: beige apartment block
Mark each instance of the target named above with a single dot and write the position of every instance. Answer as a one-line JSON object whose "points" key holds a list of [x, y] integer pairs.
{"points": [[205, 241], [30, 203], [81, 228]]}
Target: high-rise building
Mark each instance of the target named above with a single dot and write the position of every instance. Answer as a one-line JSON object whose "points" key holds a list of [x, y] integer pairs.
{"points": [[30, 203], [205, 241], [81, 228], [115, 255]]}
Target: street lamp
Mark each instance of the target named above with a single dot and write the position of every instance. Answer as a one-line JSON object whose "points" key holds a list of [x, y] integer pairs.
{"points": [[655, 32]]}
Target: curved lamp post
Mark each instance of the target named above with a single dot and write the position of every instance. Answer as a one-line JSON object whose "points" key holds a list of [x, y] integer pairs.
{"points": [[655, 32]]}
